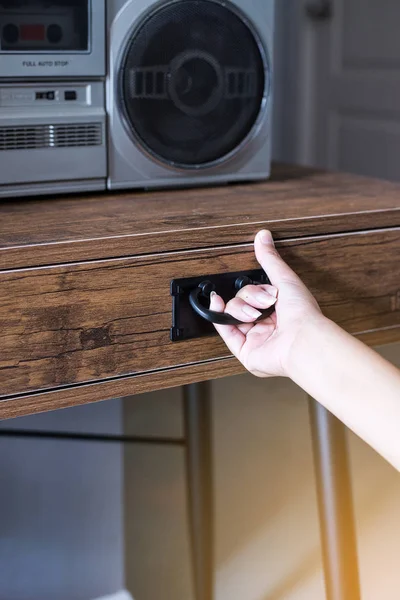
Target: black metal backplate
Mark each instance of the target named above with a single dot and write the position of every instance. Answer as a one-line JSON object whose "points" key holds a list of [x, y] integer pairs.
{"points": [[186, 323]]}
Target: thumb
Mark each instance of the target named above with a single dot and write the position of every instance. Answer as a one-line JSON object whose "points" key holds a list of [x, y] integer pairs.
{"points": [[268, 257], [216, 303]]}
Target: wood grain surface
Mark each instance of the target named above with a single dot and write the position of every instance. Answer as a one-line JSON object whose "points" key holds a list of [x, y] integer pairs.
{"points": [[296, 202], [117, 388], [80, 323], [76, 395]]}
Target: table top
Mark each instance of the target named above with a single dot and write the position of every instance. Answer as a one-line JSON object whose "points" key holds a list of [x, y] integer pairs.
{"points": [[296, 201], [71, 337]]}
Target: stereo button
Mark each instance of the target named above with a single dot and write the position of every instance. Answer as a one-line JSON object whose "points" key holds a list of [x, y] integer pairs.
{"points": [[54, 34], [70, 95], [10, 33]]}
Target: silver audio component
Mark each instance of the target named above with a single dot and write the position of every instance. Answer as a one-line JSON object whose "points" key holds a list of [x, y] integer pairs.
{"points": [[189, 91], [52, 138], [52, 38], [121, 94]]}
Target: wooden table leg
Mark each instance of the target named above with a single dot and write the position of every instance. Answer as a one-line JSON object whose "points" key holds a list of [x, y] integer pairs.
{"points": [[198, 433], [339, 548]]}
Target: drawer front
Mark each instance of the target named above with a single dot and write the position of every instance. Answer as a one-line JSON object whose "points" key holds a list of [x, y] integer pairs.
{"points": [[99, 320]]}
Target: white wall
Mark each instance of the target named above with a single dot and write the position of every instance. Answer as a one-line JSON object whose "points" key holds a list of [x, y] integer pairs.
{"points": [[268, 547], [267, 533]]}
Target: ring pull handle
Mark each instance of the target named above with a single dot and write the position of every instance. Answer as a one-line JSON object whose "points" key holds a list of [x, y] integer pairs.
{"points": [[204, 289]]}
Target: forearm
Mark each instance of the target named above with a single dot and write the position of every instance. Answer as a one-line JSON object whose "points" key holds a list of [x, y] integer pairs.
{"points": [[351, 381]]}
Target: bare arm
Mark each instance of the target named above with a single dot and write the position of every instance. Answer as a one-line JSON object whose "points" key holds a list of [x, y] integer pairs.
{"points": [[348, 378], [352, 381]]}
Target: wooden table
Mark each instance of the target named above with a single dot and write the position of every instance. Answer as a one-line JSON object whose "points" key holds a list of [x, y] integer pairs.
{"points": [[86, 309]]}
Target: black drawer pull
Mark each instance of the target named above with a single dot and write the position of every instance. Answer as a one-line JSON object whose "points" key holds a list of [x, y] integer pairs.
{"points": [[204, 290], [191, 317]]}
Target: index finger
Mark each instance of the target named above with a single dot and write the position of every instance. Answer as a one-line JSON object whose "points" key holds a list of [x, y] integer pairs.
{"points": [[231, 335]]}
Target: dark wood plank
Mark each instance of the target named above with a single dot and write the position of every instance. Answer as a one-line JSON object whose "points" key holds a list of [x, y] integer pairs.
{"points": [[295, 202], [72, 324], [380, 337], [119, 388], [147, 382]]}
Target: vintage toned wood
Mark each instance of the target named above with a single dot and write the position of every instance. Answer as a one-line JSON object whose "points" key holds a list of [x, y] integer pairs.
{"points": [[296, 202], [118, 388], [85, 309], [99, 320], [380, 337], [147, 382]]}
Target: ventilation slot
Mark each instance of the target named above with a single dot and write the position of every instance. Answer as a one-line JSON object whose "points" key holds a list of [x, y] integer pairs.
{"points": [[240, 83], [51, 136], [149, 82]]}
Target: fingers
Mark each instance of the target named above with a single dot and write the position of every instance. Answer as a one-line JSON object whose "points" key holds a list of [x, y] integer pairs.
{"points": [[216, 303], [258, 296], [231, 335], [239, 309], [274, 266]]}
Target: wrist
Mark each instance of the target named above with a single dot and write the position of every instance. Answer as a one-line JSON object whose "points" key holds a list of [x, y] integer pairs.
{"points": [[307, 340]]}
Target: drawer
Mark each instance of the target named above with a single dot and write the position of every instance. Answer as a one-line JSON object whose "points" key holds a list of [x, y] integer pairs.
{"points": [[100, 320]]}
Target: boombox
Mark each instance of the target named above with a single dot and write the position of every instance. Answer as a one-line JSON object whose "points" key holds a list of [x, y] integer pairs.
{"points": [[98, 94]]}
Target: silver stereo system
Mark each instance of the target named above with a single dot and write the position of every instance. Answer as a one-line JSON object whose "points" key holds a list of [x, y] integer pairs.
{"points": [[114, 94]]}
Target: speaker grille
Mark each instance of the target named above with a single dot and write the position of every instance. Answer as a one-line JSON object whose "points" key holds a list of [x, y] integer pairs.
{"points": [[51, 136], [192, 82]]}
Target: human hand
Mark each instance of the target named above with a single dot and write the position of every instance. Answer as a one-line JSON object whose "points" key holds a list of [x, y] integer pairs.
{"points": [[265, 348]]}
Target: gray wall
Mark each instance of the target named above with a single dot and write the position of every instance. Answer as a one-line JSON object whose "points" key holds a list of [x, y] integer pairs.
{"points": [[287, 90], [61, 509]]}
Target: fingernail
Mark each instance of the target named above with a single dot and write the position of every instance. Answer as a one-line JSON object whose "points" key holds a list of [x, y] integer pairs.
{"points": [[213, 294], [272, 290], [251, 312], [265, 298], [266, 237]]}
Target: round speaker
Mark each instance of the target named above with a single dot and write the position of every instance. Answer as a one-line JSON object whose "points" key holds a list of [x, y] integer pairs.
{"points": [[192, 82]]}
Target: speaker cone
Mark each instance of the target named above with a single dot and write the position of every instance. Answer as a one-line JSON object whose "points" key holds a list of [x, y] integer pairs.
{"points": [[192, 82]]}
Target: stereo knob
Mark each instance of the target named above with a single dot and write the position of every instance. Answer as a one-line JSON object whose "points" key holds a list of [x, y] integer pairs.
{"points": [[10, 33], [195, 82], [54, 34]]}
